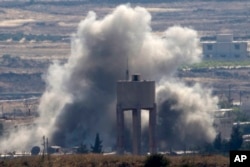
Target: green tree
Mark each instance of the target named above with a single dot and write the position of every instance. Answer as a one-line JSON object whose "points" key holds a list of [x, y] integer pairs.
{"points": [[97, 148], [82, 149], [236, 139], [217, 142], [225, 146], [208, 148]]}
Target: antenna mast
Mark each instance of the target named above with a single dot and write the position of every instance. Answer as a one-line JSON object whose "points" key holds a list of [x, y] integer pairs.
{"points": [[127, 71]]}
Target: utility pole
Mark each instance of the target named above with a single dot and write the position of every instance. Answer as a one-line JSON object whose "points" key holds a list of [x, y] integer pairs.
{"points": [[43, 144], [240, 98], [47, 146], [127, 71], [27, 106], [229, 94]]}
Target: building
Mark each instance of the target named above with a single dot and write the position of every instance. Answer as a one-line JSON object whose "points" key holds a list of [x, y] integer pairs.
{"points": [[225, 48], [223, 122]]}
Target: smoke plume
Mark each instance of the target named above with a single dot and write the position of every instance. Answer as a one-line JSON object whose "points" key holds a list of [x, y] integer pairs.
{"points": [[186, 114], [79, 100]]}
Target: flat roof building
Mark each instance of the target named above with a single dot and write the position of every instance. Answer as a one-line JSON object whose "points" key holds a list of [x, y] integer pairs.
{"points": [[225, 48]]}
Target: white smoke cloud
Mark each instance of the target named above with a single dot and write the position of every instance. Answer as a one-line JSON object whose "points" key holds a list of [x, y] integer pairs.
{"points": [[162, 56], [80, 94]]}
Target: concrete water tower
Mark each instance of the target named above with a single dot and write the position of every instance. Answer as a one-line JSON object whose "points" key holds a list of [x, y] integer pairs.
{"points": [[136, 95]]}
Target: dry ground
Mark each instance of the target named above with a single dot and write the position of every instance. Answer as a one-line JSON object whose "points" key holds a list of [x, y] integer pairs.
{"points": [[113, 161]]}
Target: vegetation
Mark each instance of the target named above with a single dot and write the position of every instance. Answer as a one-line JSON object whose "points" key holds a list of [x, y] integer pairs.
{"points": [[236, 139], [156, 160], [97, 160], [224, 146], [217, 64], [29, 37], [82, 149], [10, 61], [97, 147], [241, 116], [217, 142]]}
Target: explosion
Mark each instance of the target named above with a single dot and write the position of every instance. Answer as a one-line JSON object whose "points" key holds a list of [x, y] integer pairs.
{"points": [[79, 100]]}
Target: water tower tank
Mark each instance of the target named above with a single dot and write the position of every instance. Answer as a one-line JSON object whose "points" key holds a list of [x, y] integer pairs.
{"points": [[132, 93]]}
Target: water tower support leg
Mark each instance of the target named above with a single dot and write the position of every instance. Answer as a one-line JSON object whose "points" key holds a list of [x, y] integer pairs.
{"points": [[152, 130], [136, 131], [120, 130]]}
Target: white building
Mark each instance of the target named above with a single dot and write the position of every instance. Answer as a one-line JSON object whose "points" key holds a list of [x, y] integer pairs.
{"points": [[223, 122], [225, 48]]}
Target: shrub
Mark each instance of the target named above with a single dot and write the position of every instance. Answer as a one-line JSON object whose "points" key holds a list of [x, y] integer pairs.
{"points": [[156, 160]]}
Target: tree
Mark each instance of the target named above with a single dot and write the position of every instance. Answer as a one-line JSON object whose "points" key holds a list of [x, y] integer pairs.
{"points": [[97, 148], [217, 142], [236, 139], [207, 148], [225, 146], [82, 149]]}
